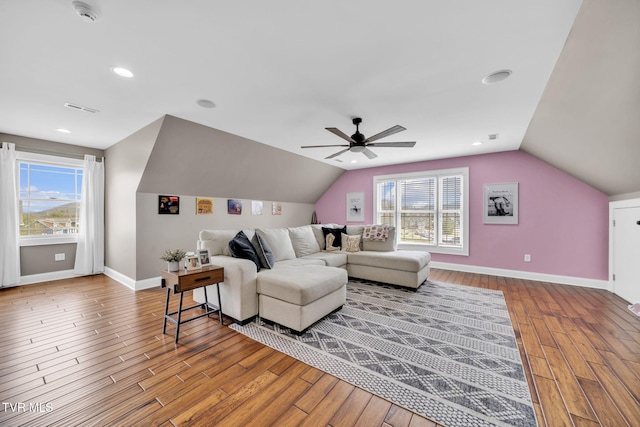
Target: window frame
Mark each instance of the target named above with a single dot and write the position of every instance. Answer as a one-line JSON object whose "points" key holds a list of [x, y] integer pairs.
{"points": [[46, 160], [437, 247]]}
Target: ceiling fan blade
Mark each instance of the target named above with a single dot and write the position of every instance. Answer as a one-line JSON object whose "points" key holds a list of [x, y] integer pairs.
{"points": [[370, 154], [340, 134], [322, 146], [390, 131], [393, 144], [337, 154]]}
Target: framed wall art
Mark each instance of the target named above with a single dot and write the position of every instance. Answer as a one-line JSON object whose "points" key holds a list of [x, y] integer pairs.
{"points": [[276, 208], [256, 207], [500, 203], [204, 206], [168, 205], [355, 206], [234, 207]]}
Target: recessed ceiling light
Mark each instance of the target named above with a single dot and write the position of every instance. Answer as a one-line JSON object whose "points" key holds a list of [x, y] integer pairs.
{"points": [[477, 143], [205, 103], [354, 161], [63, 130], [122, 72], [496, 77]]}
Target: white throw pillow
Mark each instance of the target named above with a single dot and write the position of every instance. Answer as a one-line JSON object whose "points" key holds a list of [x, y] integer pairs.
{"points": [[303, 241], [279, 241]]}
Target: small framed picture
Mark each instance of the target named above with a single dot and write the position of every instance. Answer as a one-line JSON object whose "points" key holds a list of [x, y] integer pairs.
{"points": [[256, 207], [204, 206], [168, 205], [276, 208], [191, 263], [203, 257], [234, 207]]}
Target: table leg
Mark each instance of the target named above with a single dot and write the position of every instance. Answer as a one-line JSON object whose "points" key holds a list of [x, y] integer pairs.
{"points": [[179, 316], [166, 312], [219, 303]]}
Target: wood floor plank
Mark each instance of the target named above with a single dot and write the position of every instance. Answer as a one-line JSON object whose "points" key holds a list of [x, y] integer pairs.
{"points": [[350, 411], [326, 409]]}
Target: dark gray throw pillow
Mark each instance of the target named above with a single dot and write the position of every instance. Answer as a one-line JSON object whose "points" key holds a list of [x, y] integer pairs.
{"points": [[265, 254], [337, 233], [240, 247]]}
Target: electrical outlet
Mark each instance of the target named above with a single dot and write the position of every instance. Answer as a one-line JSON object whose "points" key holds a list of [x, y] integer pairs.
{"points": [[527, 257], [59, 257]]}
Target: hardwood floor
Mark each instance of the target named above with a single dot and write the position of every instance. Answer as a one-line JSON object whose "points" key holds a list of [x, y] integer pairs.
{"points": [[89, 351]]}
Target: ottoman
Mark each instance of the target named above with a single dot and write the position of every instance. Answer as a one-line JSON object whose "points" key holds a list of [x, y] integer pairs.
{"points": [[297, 296]]}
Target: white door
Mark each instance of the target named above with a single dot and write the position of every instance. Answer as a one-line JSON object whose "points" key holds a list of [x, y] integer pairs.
{"points": [[626, 253]]}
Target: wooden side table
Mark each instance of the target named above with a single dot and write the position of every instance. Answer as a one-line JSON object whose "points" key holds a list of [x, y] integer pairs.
{"points": [[186, 280]]}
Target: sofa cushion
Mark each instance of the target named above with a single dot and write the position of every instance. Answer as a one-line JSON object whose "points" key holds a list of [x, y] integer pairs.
{"points": [[337, 234], [331, 259], [303, 241], [395, 260], [301, 286], [299, 262], [279, 241], [264, 252], [240, 247]]}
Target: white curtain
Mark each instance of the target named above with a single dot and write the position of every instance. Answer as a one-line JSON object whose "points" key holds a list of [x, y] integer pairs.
{"points": [[90, 250], [9, 244]]}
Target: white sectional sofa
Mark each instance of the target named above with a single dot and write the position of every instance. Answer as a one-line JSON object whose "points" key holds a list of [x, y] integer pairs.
{"points": [[303, 281]]}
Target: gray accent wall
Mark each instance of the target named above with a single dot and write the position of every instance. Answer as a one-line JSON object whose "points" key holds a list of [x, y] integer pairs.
{"points": [[180, 158], [587, 121], [41, 259], [124, 169], [156, 233], [193, 159]]}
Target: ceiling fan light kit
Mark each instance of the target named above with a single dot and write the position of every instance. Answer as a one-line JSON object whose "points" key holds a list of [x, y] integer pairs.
{"points": [[358, 143]]}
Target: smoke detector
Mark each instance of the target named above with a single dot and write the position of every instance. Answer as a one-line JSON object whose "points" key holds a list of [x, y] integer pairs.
{"points": [[86, 12]]}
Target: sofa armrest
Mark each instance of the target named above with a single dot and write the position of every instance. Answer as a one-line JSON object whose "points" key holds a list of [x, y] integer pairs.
{"points": [[238, 291]]}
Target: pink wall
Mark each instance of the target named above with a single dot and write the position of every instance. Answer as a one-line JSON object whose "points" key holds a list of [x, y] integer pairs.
{"points": [[563, 222]]}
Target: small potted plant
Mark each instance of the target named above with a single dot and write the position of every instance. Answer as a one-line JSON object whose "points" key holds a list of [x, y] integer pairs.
{"points": [[173, 258]]}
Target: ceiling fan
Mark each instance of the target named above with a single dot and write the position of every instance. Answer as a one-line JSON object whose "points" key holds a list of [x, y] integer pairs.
{"points": [[359, 144]]}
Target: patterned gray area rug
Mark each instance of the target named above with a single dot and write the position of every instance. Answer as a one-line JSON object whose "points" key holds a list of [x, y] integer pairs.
{"points": [[447, 352]]}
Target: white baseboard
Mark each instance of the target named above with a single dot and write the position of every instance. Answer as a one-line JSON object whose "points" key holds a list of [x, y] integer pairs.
{"points": [[46, 277], [153, 282], [130, 283], [516, 274], [156, 281]]}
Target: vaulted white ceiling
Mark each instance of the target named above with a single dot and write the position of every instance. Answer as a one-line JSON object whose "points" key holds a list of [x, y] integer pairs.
{"points": [[281, 71]]}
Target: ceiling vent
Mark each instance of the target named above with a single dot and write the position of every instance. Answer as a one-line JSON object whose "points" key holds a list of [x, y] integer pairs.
{"points": [[80, 108], [86, 12]]}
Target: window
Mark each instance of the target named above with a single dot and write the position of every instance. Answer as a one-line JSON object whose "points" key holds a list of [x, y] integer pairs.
{"points": [[428, 209], [49, 197]]}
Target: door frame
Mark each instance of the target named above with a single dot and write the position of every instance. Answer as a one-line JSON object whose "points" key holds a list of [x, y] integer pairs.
{"points": [[621, 204]]}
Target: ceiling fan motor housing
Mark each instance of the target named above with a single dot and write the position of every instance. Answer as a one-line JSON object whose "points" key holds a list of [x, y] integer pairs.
{"points": [[357, 137]]}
